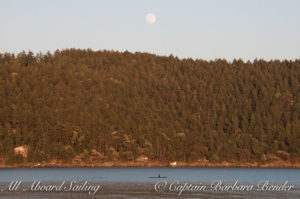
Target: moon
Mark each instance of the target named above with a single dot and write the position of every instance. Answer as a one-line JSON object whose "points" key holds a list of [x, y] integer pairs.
{"points": [[150, 18]]}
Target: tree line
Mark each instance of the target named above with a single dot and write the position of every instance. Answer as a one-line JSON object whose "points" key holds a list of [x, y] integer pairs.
{"points": [[120, 105]]}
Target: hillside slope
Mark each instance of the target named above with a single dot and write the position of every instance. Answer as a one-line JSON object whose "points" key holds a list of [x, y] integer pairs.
{"points": [[119, 106]]}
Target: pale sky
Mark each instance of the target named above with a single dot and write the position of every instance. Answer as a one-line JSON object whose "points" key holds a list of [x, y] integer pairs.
{"points": [[203, 29]]}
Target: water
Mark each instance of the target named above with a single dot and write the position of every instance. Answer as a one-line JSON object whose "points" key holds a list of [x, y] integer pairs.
{"points": [[135, 182], [116, 174]]}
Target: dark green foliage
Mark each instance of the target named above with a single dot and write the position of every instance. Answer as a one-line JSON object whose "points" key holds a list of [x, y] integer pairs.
{"points": [[123, 105]]}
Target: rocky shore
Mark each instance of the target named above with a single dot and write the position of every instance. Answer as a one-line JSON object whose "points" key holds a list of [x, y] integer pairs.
{"points": [[275, 164]]}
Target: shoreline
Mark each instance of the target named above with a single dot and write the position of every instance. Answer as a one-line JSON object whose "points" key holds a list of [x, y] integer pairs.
{"points": [[279, 164]]}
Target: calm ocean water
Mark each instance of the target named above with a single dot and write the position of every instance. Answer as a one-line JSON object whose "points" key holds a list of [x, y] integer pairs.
{"points": [[143, 174], [133, 183]]}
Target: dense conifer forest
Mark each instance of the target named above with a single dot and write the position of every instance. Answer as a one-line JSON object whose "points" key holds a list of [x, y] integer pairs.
{"points": [[117, 106]]}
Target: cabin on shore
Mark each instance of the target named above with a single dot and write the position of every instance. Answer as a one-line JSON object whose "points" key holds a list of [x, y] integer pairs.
{"points": [[173, 164], [77, 159], [21, 150], [142, 158], [202, 160]]}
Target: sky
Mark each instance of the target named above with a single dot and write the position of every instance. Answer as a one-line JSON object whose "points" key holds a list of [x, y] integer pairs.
{"points": [[199, 29]]}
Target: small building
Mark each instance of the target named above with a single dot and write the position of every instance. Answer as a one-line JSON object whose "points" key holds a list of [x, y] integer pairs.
{"points": [[77, 159], [142, 158], [202, 160], [21, 150], [53, 161], [173, 164]]}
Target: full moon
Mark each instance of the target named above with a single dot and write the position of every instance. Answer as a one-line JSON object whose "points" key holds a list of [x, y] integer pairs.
{"points": [[150, 18]]}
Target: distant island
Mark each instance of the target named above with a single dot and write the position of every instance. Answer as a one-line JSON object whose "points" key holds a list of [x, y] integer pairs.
{"points": [[76, 108]]}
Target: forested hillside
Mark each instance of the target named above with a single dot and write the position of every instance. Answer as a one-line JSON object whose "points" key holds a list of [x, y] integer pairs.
{"points": [[118, 106]]}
